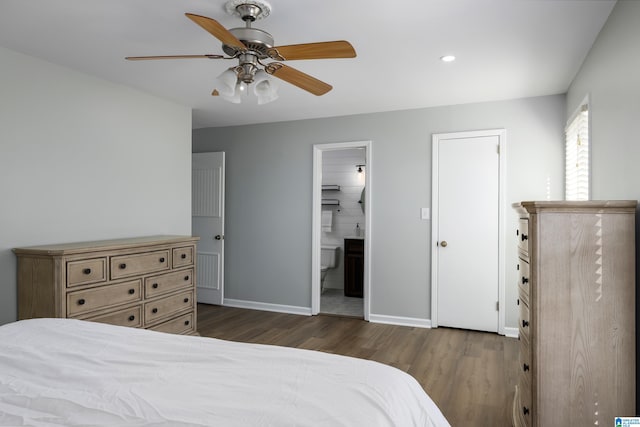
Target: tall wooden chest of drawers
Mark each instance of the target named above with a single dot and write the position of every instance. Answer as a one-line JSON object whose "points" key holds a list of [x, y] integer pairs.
{"points": [[577, 313], [143, 282]]}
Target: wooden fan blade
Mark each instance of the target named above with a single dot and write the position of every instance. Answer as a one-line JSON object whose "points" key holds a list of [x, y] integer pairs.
{"points": [[216, 30], [298, 78], [144, 58], [321, 50]]}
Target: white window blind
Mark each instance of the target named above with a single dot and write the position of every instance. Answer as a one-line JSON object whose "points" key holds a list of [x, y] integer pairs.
{"points": [[577, 156]]}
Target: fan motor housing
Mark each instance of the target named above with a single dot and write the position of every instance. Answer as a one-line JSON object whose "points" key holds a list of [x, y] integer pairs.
{"points": [[254, 39]]}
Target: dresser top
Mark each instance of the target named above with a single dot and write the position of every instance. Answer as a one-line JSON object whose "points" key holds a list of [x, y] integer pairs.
{"points": [[622, 206], [102, 245]]}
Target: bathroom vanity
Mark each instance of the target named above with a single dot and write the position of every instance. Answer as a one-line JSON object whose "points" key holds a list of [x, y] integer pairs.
{"points": [[353, 267]]}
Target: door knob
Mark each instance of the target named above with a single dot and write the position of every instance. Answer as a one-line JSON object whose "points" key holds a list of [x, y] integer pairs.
{"points": [[443, 243], [218, 237]]}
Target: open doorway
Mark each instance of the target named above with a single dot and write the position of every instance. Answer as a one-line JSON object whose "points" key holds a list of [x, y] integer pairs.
{"points": [[341, 229]]}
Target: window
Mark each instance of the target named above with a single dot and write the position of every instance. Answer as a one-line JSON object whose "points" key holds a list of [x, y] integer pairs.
{"points": [[577, 169]]}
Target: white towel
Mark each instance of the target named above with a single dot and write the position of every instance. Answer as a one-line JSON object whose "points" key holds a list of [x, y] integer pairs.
{"points": [[327, 221]]}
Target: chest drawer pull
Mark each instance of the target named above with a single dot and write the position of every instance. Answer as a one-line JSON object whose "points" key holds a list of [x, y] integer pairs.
{"points": [[183, 256], [186, 300], [186, 277], [186, 323], [132, 291], [154, 311], [123, 266], [525, 323], [132, 318], [81, 301], [161, 259], [525, 280], [524, 237], [525, 367], [525, 410], [87, 271], [154, 286]]}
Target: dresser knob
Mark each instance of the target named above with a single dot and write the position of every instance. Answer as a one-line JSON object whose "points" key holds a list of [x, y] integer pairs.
{"points": [[154, 311], [186, 322], [525, 410], [525, 280], [154, 286], [186, 277], [87, 271], [162, 259], [183, 256], [132, 291], [525, 323], [81, 301], [123, 266], [524, 237], [132, 318], [525, 367], [186, 300]]}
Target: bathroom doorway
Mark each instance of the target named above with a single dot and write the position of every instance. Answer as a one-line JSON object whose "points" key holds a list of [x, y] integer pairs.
{"points": [[341, 229]]}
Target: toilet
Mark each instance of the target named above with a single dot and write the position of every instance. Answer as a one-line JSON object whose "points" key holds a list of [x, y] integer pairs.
{"points": [[328, 259]]}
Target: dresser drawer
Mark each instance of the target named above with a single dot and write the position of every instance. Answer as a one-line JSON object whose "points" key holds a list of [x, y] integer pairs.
{"points": [[79, 302], [182, 256], [524, 391], [525, 321], [523, 235], [523, 280], [166, 307], [126, 317], [161, 284], [130, 265], [180, 325], [86, 271]]}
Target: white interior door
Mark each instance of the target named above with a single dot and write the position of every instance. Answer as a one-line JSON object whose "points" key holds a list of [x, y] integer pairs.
{"points": [[467, 222], [207, 222]]}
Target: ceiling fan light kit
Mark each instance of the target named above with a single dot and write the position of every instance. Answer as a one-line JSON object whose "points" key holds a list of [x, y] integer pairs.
{"points": [[251, 46]]}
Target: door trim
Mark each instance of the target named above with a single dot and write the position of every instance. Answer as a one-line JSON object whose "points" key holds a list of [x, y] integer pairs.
{"points": [[318, 149], [502, 144]]}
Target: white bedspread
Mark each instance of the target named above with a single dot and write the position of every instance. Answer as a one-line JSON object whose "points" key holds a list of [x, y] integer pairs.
{"points": [[69, 372]]}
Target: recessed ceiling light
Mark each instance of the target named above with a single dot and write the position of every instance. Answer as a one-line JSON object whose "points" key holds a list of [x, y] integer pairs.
{"points": [[448, 58]]}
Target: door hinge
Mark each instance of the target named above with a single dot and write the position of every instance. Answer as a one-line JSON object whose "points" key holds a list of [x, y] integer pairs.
{"points": [[497, 305]]}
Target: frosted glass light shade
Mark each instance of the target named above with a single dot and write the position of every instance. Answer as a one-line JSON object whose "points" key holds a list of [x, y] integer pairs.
{"points": [[226, 83], [264, 88]]}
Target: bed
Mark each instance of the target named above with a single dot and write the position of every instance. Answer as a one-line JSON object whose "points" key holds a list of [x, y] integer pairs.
{"points": [[70, 372]]}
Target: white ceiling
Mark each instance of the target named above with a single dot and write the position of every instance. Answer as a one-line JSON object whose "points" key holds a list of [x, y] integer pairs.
{"points": [[505, 48]]}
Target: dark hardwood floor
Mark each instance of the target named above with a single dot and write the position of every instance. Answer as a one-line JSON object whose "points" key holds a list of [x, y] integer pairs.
{"points": [[470, 375]]}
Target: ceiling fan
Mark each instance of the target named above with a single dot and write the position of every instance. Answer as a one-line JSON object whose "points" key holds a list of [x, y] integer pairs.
{"points": [[252, 47]]}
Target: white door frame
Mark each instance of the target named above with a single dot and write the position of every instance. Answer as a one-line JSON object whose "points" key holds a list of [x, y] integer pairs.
{"points": [[502, 144], [318, 149]]}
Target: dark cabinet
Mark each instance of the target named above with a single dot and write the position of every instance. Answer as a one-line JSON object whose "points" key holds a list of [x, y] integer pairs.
{"points": [[353, 267]]}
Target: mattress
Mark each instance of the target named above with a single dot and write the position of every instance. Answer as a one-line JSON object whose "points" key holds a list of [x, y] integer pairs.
{"points": [[56, 372]]}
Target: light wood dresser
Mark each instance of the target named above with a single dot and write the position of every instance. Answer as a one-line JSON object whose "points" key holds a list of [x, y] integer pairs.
{"points": [[577, 313], [143, 282]]}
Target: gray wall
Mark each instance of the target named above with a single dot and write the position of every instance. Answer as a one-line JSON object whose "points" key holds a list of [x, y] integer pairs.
{"points": [[610, 75], [84, 159], [269, 187]]}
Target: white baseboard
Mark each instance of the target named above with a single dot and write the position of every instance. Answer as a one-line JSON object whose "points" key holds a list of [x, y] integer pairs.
{"points": [[400, 321], [278, 308], [511, 332]]}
